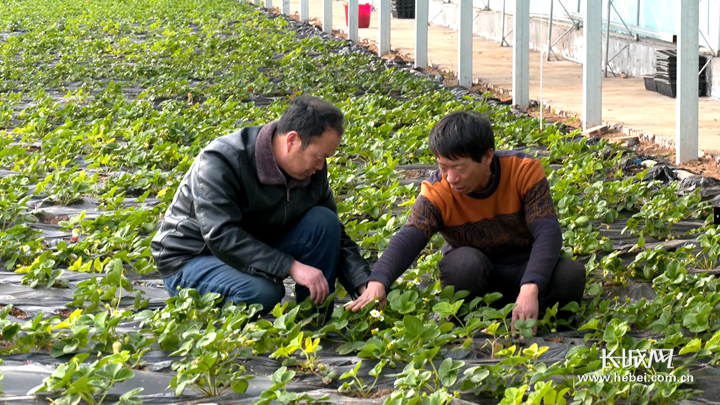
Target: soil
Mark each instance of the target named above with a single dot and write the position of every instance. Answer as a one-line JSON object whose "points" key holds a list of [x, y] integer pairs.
{"points": [[17, 312], [549, 116], [54, 219], [411, 174], [381, 393], [65, 313], [707, 168]]}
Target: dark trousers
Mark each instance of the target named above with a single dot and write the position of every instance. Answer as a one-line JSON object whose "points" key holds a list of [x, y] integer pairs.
{"points": [[314, 240], [469, 269]]}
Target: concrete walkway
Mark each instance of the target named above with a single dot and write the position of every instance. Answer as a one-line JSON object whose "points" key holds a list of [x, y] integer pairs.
{"points": [[626, 104]]}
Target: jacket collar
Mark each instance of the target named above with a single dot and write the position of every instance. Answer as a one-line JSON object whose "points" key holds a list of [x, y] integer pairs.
{"points": [[268, 171]]}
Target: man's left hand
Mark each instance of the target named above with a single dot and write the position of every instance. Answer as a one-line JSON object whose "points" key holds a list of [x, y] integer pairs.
{"points": [[527, 306], [360, 290]]}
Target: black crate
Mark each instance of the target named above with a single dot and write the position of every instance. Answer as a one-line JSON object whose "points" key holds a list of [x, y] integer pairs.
{"points": [[403, 8], [650, 83], [666, 87], [665, 70], [669, 87]]}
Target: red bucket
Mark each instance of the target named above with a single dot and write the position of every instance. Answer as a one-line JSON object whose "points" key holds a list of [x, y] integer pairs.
{"points": [[363, 18]]}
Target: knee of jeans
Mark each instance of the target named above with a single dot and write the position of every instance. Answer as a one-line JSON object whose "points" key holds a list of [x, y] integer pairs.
{"points": [[464, 262], [326, 221], [170, 285], [269, 296]]}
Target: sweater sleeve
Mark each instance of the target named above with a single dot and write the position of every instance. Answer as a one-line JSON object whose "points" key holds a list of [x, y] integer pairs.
{"points": [[541, 218], [425, 220]]}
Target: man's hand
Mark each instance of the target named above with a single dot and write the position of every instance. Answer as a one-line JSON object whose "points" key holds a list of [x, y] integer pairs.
{"points": [[375, 291], [311, 278], [527, 305]]}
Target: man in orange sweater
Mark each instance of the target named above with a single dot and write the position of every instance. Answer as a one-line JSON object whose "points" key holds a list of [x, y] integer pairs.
{"points": [[495, 211]]}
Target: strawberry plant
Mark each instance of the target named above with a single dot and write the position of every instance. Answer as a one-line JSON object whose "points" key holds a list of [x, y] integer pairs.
{"points": [[357, 384], [277, 391], [79, 382]]}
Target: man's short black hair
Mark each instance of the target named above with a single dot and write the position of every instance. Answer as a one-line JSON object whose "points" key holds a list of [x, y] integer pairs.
{"points": [[462, 134], [310, 117]]}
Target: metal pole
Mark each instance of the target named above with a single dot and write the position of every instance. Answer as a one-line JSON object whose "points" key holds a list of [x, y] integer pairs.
{"points": [[327, 16], [607, 38], [521, 54], [304, 10], [384, 27], [353, 20], [286, 7], [421, 33], [502, 30], [465, 43], [592, 75], [552, 3], [686, 110], [567, 13], [563, 36]]}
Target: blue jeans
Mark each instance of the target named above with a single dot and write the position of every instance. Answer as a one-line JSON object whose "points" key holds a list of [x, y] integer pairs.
{"points": [[314, 240]]}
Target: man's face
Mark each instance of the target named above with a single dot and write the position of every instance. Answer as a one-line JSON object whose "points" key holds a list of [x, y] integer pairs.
{"points": [[464, 174], [303, 163]]}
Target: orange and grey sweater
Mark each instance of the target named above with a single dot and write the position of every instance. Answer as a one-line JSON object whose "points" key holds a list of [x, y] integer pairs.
{"points": [[513, 221]]}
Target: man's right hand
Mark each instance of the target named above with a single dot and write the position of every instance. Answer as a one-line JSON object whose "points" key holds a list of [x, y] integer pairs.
{"points": [[311, 278], [375, 291]]}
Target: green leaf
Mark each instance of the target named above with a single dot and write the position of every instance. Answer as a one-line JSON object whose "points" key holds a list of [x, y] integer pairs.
{"points": [[448, 371], [345, 348], [80, 386], [561, 396], [181, 388], [592, 324], [571, 307], [353, 372], [128, 397], [209, 338], [445, 309], [413, 325], [375, 372], [582, 220], [124, 374], [405, 303], [693, 346], [240, 386], [282, 376]]}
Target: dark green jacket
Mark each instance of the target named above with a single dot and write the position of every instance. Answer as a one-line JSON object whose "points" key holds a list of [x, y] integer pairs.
{"points": [[233, 199]]}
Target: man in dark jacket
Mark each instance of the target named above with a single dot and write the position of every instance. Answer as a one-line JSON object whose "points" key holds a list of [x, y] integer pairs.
{"points": [[256, 207]]}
